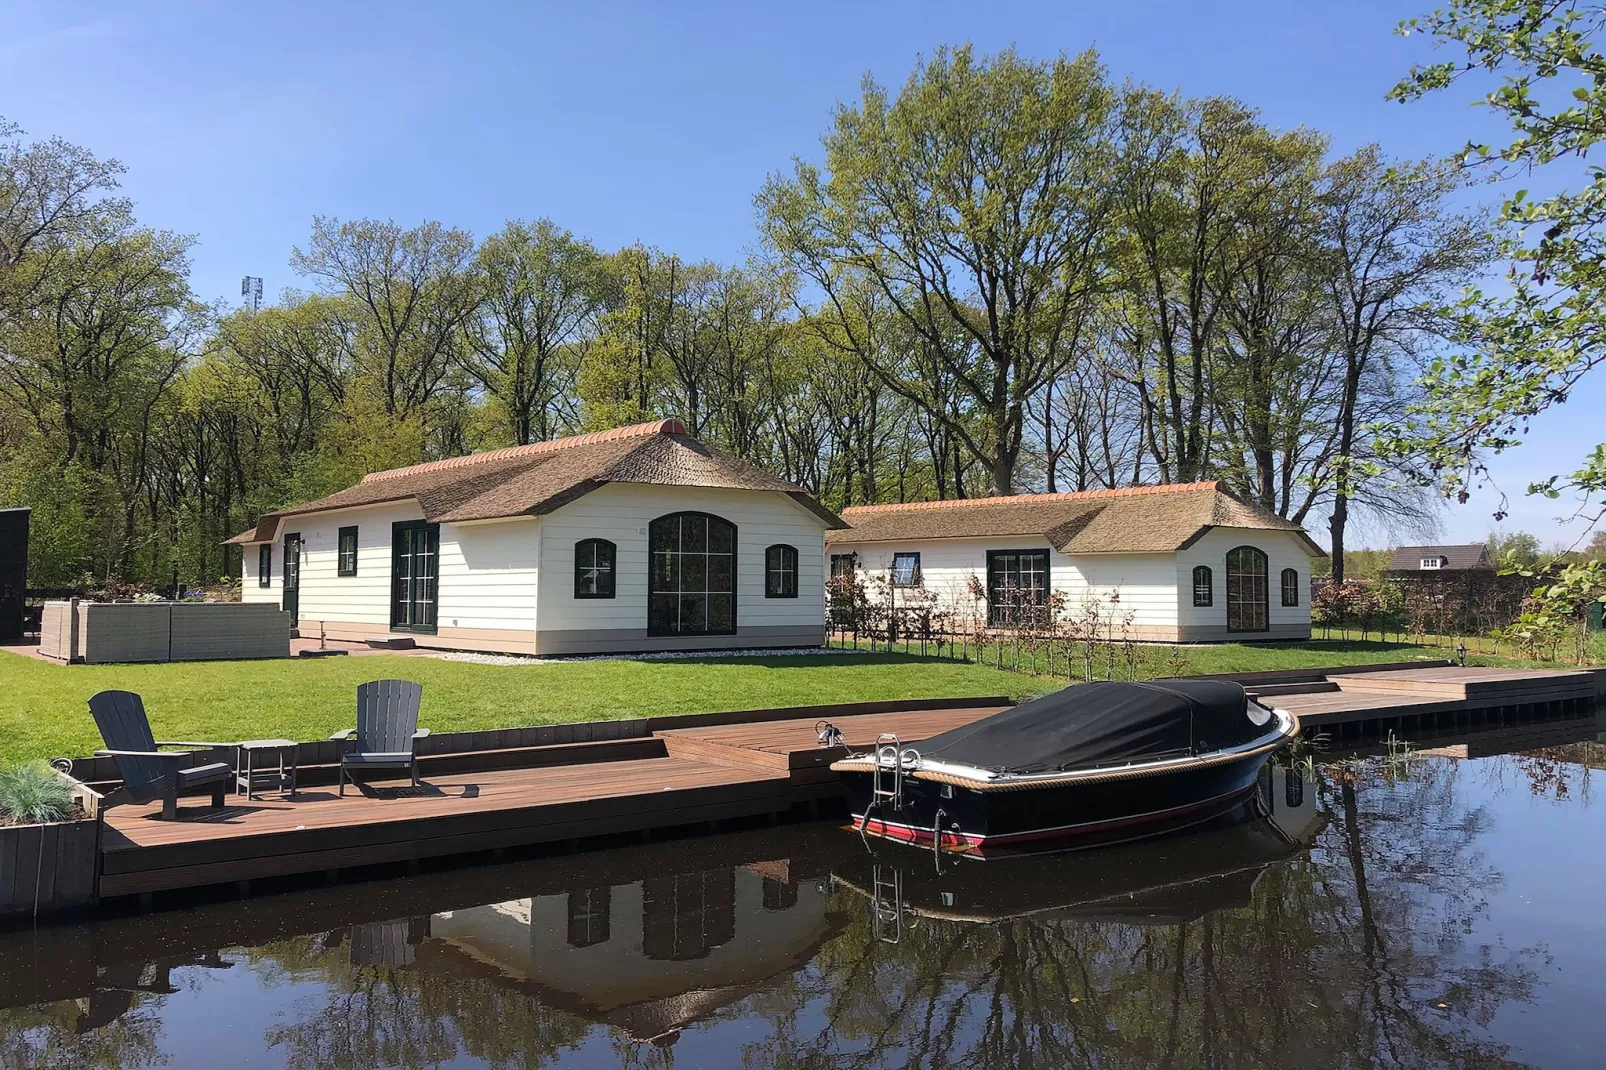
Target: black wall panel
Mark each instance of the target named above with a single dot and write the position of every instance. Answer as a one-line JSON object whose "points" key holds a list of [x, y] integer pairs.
{"points": [[13, 572]]}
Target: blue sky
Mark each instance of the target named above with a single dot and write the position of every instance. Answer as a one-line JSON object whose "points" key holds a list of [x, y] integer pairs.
{"points": [[625, 122]]}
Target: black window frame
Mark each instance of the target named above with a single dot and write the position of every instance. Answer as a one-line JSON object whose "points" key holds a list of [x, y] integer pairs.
{"points": [[610, 572], [433, 534], [782, 569], [265, 565], [344, 567], [1204, 586], [1248, 592], [1003, 615], [666, 566], [915, 577], [1289, 582]]}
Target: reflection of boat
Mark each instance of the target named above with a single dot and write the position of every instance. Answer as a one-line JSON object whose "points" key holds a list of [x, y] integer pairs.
{"points": [[1091, 764], [1168, 880]]}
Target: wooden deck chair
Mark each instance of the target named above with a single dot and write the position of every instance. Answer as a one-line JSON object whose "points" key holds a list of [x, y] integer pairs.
{"points": [[387, 729], [148, 772]]}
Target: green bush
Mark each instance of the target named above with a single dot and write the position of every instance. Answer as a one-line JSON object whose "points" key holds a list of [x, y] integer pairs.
{"points": [[32, 793]]}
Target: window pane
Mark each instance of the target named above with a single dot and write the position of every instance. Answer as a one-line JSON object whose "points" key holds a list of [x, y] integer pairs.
{"points": [[719, 573], [721, 537], [694, 613], [693, 534], [662, 613], [693, 572], [663, 571], [720, 613]]}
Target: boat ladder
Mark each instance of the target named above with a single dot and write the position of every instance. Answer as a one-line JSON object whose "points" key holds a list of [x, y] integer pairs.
{"points": [[891, 759], [886, 905]]}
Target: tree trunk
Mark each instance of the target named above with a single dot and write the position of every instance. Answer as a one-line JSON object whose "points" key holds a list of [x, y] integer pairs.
{"points": [[1335, 525]]}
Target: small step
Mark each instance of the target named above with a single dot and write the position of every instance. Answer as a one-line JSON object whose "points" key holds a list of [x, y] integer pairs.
{"points": [[390, 642], [325, 653]]}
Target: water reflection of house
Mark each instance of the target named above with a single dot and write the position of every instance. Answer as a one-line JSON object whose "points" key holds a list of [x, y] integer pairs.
{"points": [[653, 956], [1290, 803]]}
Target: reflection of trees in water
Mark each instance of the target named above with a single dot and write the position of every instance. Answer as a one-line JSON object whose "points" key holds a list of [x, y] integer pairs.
{"points": [[48, 1038], [1358, 953], [1563, 773], [373, 1016], [1355, 955]]}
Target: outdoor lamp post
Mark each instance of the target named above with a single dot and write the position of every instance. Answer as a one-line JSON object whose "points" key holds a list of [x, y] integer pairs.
{"points": [[1461, 652]]}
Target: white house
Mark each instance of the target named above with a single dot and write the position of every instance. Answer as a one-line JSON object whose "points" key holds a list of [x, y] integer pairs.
{"points": [[639, 538], [1176, 563]]}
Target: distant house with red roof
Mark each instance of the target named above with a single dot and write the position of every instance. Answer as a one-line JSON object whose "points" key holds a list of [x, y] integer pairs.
{"points": [[640, 538], [1173, 563]]}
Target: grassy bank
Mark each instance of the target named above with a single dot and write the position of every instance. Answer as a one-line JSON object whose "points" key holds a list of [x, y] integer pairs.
{"points": [[43, 710], [1139, 661]]}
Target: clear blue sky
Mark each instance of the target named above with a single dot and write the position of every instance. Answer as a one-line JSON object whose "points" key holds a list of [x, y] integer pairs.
{"points": [[626, 122]]}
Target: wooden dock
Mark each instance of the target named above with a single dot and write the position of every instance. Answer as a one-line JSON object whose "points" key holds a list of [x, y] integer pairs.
{"points": [[696, 775], [699, 770], [1440, 696]]}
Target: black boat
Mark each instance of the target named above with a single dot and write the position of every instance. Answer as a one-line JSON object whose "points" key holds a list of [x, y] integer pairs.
{"points": [[1091, 764], [1164, 881]]}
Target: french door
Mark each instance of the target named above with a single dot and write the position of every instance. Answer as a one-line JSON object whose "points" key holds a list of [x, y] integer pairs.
{"points": [[292, 576], [1247, 600], [414, 575]]}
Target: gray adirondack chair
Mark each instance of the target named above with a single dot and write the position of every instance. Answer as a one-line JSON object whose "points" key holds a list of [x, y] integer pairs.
{"points": [[387, 729], [147, 771]]}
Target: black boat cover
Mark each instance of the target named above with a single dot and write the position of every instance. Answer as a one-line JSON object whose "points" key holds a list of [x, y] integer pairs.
{"points": [[1090, 725]]}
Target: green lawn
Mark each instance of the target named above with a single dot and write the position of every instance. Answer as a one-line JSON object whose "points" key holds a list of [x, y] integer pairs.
{"points": [[43, 711], [1149, 661]]}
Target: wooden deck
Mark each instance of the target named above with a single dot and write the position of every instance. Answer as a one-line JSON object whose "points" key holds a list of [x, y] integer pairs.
{"points": [[692, 771], [1398, 694], [699, 775]]}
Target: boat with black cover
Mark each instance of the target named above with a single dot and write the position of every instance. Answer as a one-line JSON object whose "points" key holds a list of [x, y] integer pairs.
{"points": [[1164, 881], [1090, 764]]}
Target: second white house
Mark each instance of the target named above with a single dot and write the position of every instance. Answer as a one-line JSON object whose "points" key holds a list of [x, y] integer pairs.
{"points": [[1173, 563]]}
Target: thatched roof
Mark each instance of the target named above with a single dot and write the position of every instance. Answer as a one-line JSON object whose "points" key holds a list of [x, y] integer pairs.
{"points": [[539, 478], [1160, 519], [1471, 555]]}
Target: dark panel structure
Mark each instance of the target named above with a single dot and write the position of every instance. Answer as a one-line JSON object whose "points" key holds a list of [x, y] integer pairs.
{"points": [[13, 572]]}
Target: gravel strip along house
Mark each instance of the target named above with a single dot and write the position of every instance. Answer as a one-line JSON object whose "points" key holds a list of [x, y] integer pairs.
{"points": [[1185, 562], [640, 538]]}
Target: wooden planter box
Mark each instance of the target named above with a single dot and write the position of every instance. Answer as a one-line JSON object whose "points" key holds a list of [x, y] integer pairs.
{"points": [[49, 868]]}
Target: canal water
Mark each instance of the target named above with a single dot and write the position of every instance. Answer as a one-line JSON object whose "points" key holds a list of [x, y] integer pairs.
{"points": [[1442, 907]]}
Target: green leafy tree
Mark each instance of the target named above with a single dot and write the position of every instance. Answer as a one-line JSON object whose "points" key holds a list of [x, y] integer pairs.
{"points": [[541, 292], [978, 201]]}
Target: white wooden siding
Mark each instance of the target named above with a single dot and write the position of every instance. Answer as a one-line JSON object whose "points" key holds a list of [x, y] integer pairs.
{"points": [[488, 572], [490, 575], [249, 590], [1282, 550], [620, 513], [1139, 589]]}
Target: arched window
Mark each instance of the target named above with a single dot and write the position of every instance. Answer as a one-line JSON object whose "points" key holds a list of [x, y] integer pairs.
{"points": [[692, 589], [594, 568], [780, 571], [1247, 596], [1204, 586], [1290, 587]]}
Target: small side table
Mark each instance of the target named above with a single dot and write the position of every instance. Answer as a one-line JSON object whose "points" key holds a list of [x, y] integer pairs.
{"points": [[253, 771]]}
